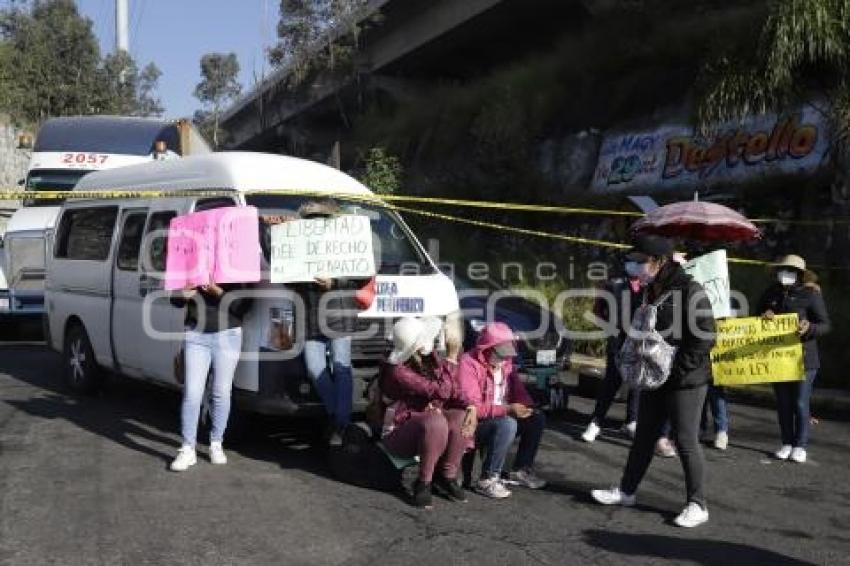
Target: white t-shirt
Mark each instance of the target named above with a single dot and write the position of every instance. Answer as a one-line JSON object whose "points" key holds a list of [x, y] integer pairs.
{"points": [[500, 385]]}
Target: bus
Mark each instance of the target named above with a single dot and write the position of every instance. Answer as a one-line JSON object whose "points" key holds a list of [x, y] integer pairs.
{"points": [[65, 150]]}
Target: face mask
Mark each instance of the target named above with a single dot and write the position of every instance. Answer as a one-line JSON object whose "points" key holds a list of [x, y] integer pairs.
{"points": [[495, 358], [633, 268], [643, 275], [786, 278]]}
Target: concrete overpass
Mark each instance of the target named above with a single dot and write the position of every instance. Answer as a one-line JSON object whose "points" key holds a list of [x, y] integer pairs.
{"points": [[415, 40]]}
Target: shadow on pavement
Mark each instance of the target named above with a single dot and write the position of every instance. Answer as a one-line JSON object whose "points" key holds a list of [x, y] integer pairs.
{"points": [[146, 418], [700, 551]]}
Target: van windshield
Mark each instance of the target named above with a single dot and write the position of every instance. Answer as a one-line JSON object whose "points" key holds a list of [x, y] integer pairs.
{"points": [[395, 251], [52, 180]]}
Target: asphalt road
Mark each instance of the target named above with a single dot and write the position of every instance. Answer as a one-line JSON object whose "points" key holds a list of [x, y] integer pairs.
{"points": [[85, 481]]}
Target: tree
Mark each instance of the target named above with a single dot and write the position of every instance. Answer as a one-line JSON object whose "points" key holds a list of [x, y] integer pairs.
{"points": [[218, 87], [45, 80], [120, 77], [803, 48], [148, 103], [50, 65], [383, 171], [318, 34]]}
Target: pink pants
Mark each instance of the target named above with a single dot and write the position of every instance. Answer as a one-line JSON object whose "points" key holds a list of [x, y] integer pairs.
{"points": [[435, 437]]}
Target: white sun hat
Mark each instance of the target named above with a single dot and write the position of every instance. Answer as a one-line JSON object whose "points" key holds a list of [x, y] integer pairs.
{"points": [[412, 334]]}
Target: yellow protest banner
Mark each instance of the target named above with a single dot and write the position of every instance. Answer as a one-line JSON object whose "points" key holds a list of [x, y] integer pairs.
{"points": [[755, 350]]}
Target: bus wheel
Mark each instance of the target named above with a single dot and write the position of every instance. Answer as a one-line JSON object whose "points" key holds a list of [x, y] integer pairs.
{"points": [[82, 374]]}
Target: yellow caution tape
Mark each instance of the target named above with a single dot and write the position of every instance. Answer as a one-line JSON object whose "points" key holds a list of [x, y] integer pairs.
{"points": [[439, 201], [385, 201]]}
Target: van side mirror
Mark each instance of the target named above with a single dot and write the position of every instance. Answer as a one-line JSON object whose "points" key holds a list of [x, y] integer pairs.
{"points": [[21, 182]]}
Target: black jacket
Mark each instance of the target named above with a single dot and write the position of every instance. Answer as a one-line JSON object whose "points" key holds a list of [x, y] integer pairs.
{"points": [[622, 310], [809, 305], [211, 308], [685, 319]]}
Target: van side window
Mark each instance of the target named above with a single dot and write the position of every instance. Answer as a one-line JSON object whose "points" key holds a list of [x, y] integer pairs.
{"points": [[131, 241], [158, 243], [86, 233], [211, 203]]}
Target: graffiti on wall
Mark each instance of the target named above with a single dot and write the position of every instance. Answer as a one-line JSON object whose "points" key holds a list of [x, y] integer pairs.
{"points": [[675, 156]]}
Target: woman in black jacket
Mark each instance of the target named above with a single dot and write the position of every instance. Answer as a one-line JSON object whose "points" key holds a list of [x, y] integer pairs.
{"points": [[686, 321], [790, 294]]}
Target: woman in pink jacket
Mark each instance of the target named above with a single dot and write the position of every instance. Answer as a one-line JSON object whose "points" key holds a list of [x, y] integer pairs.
{"points": [[426, 417], [503, 409]]}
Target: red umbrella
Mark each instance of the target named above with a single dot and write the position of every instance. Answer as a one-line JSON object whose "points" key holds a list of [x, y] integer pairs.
{"points": [[696, 220]]}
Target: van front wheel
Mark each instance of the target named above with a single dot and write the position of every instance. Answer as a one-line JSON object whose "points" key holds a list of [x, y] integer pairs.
{"points": [[82, 373]]}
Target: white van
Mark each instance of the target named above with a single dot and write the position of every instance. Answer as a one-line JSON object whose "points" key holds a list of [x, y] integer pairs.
{"points": [[97, 285], [66, 149]]}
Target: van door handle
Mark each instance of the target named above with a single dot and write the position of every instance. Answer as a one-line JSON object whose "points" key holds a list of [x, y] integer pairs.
{"points": [[144, 285]]}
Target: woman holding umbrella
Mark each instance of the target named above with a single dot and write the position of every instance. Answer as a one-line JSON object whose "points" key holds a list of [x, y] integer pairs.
{"points": [[790, 294]]}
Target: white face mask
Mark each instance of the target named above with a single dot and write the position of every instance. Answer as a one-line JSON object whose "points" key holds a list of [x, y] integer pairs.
{"points": [[786, 278], [643, 274]]}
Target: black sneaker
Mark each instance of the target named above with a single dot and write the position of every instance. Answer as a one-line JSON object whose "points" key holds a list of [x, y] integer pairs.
{"points": [[422, 495], [450, 490]]}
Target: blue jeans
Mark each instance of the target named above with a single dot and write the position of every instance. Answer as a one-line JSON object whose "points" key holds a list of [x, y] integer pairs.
{"points": [[334, 387], [792, 407], [495, 436], [221, 349], [716, 401]]}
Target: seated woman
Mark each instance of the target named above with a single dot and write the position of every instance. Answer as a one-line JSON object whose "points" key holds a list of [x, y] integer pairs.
{"points": [[504, 411], [421, 420]]}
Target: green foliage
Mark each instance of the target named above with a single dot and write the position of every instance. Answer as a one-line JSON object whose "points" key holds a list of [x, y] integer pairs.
{"points": [[314, 35], [51, 65], [148, 103], [803, 47], [383, 172], [219, 86], [575, 313]]}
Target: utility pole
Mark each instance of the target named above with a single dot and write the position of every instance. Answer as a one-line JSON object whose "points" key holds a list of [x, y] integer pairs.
{"points": [[122, 26]]}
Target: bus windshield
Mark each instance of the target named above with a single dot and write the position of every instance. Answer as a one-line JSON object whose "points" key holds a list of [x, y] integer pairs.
{"points": [[395, 251], [51, 180]]}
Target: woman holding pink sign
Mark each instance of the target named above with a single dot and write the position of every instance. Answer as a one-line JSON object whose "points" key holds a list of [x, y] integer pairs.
{"points": [[213, 337]]}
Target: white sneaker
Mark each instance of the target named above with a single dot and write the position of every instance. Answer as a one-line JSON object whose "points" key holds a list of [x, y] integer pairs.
{"points": [[217, 455], [185, 459], [798, 455], [527, 478], [693, 516], [721, 441], [613, 496], [784, 452], [592, 431], [492, 488], [630, 429], [665, 448]]}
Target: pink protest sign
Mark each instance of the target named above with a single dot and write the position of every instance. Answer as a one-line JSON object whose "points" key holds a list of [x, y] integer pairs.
{"points": [[237, 258], [219, 245]]}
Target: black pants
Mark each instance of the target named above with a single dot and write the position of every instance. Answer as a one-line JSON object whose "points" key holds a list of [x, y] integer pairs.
{"points": [[684, 408], [608, 391]]}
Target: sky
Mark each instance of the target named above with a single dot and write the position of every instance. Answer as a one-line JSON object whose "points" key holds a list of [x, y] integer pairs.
{"points": [[174, 34]]}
